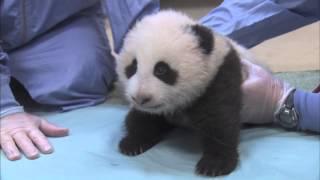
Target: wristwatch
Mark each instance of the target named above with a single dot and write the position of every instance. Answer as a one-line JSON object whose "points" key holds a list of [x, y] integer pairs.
{"points": [[287, 116]]}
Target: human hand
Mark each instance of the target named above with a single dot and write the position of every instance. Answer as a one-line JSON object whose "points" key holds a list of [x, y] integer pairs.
{"points": [[27, 132], [263, 94]]}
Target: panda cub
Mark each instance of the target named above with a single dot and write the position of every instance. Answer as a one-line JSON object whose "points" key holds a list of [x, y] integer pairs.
{"points": [[176, 72]]}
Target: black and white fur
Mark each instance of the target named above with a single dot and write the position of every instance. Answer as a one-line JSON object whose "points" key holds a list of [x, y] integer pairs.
{"points": [[176, 72]]}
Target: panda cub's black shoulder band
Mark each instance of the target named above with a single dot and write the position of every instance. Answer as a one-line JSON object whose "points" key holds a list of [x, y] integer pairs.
{"points": [[205, 37]]}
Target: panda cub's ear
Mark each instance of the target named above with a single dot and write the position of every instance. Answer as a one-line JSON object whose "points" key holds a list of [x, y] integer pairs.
{"points": [[205, 37]]}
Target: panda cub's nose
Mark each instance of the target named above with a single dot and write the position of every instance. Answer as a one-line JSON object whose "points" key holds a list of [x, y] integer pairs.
{"points": [[142, 99]]}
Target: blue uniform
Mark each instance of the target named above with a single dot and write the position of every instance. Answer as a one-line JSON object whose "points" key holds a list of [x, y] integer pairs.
{"points": [[58, 50]]}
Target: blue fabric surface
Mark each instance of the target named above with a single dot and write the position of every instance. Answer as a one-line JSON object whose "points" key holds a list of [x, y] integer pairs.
{"points": [[90, 152]]}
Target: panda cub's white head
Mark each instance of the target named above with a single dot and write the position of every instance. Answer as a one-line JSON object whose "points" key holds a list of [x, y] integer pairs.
{"points": [[167, 61]]}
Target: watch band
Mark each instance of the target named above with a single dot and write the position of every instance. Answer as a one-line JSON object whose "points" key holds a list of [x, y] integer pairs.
{"points": [[287, 117]]}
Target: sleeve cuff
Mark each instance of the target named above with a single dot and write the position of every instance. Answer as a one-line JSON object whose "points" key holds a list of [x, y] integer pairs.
{"points": [[10, 111]]}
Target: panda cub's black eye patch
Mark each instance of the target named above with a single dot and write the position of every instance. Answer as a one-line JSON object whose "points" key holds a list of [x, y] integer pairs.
{"points": [[164, 72], [131, 69]]}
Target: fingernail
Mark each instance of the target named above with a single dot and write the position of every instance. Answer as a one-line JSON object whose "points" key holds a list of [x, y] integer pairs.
{"points": [[67, 132], [34, 155], [14, 156], [48, 149]]}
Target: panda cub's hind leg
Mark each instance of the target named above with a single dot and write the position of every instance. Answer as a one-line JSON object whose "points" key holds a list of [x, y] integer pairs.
{"points": [[144, 130]]}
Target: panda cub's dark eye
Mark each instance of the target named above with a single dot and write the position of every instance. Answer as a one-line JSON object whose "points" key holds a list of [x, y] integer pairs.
{"points": [[161, 69], [131, 69], [165, 73]]}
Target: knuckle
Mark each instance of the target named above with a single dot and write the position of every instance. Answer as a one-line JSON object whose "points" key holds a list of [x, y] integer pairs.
{"points": [[36, 136], [5, 144]]}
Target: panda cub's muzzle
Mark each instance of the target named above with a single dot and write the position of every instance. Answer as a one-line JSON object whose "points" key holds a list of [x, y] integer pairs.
{"points": [[144, 102]]}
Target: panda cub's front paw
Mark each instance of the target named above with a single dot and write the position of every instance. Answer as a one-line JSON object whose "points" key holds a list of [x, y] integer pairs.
{"points": [[133, 146], [215, 165]]}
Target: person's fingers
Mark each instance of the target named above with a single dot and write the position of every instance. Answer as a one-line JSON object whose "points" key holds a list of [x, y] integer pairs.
{"points": [[40, 141], [26, 145], [53, 130], [9, 148]]}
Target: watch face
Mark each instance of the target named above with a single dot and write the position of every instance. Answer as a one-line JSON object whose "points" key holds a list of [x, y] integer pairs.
{"points": [[288, 118]]}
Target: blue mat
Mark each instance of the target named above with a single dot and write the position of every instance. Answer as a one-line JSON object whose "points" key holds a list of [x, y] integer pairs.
{"points": [[90, 153]]}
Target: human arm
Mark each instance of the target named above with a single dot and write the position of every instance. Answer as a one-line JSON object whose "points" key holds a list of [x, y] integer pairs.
{"points": [[264, 95], [19, 129], [253, 21]]}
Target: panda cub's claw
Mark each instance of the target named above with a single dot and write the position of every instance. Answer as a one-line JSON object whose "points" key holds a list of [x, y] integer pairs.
{"points": [[132, 147], [215, 166]]}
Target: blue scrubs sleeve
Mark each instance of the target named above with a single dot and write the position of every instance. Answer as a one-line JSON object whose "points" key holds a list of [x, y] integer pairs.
{"points": [[123, 14], [307, 105], [8, 104], [252, 21]]}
